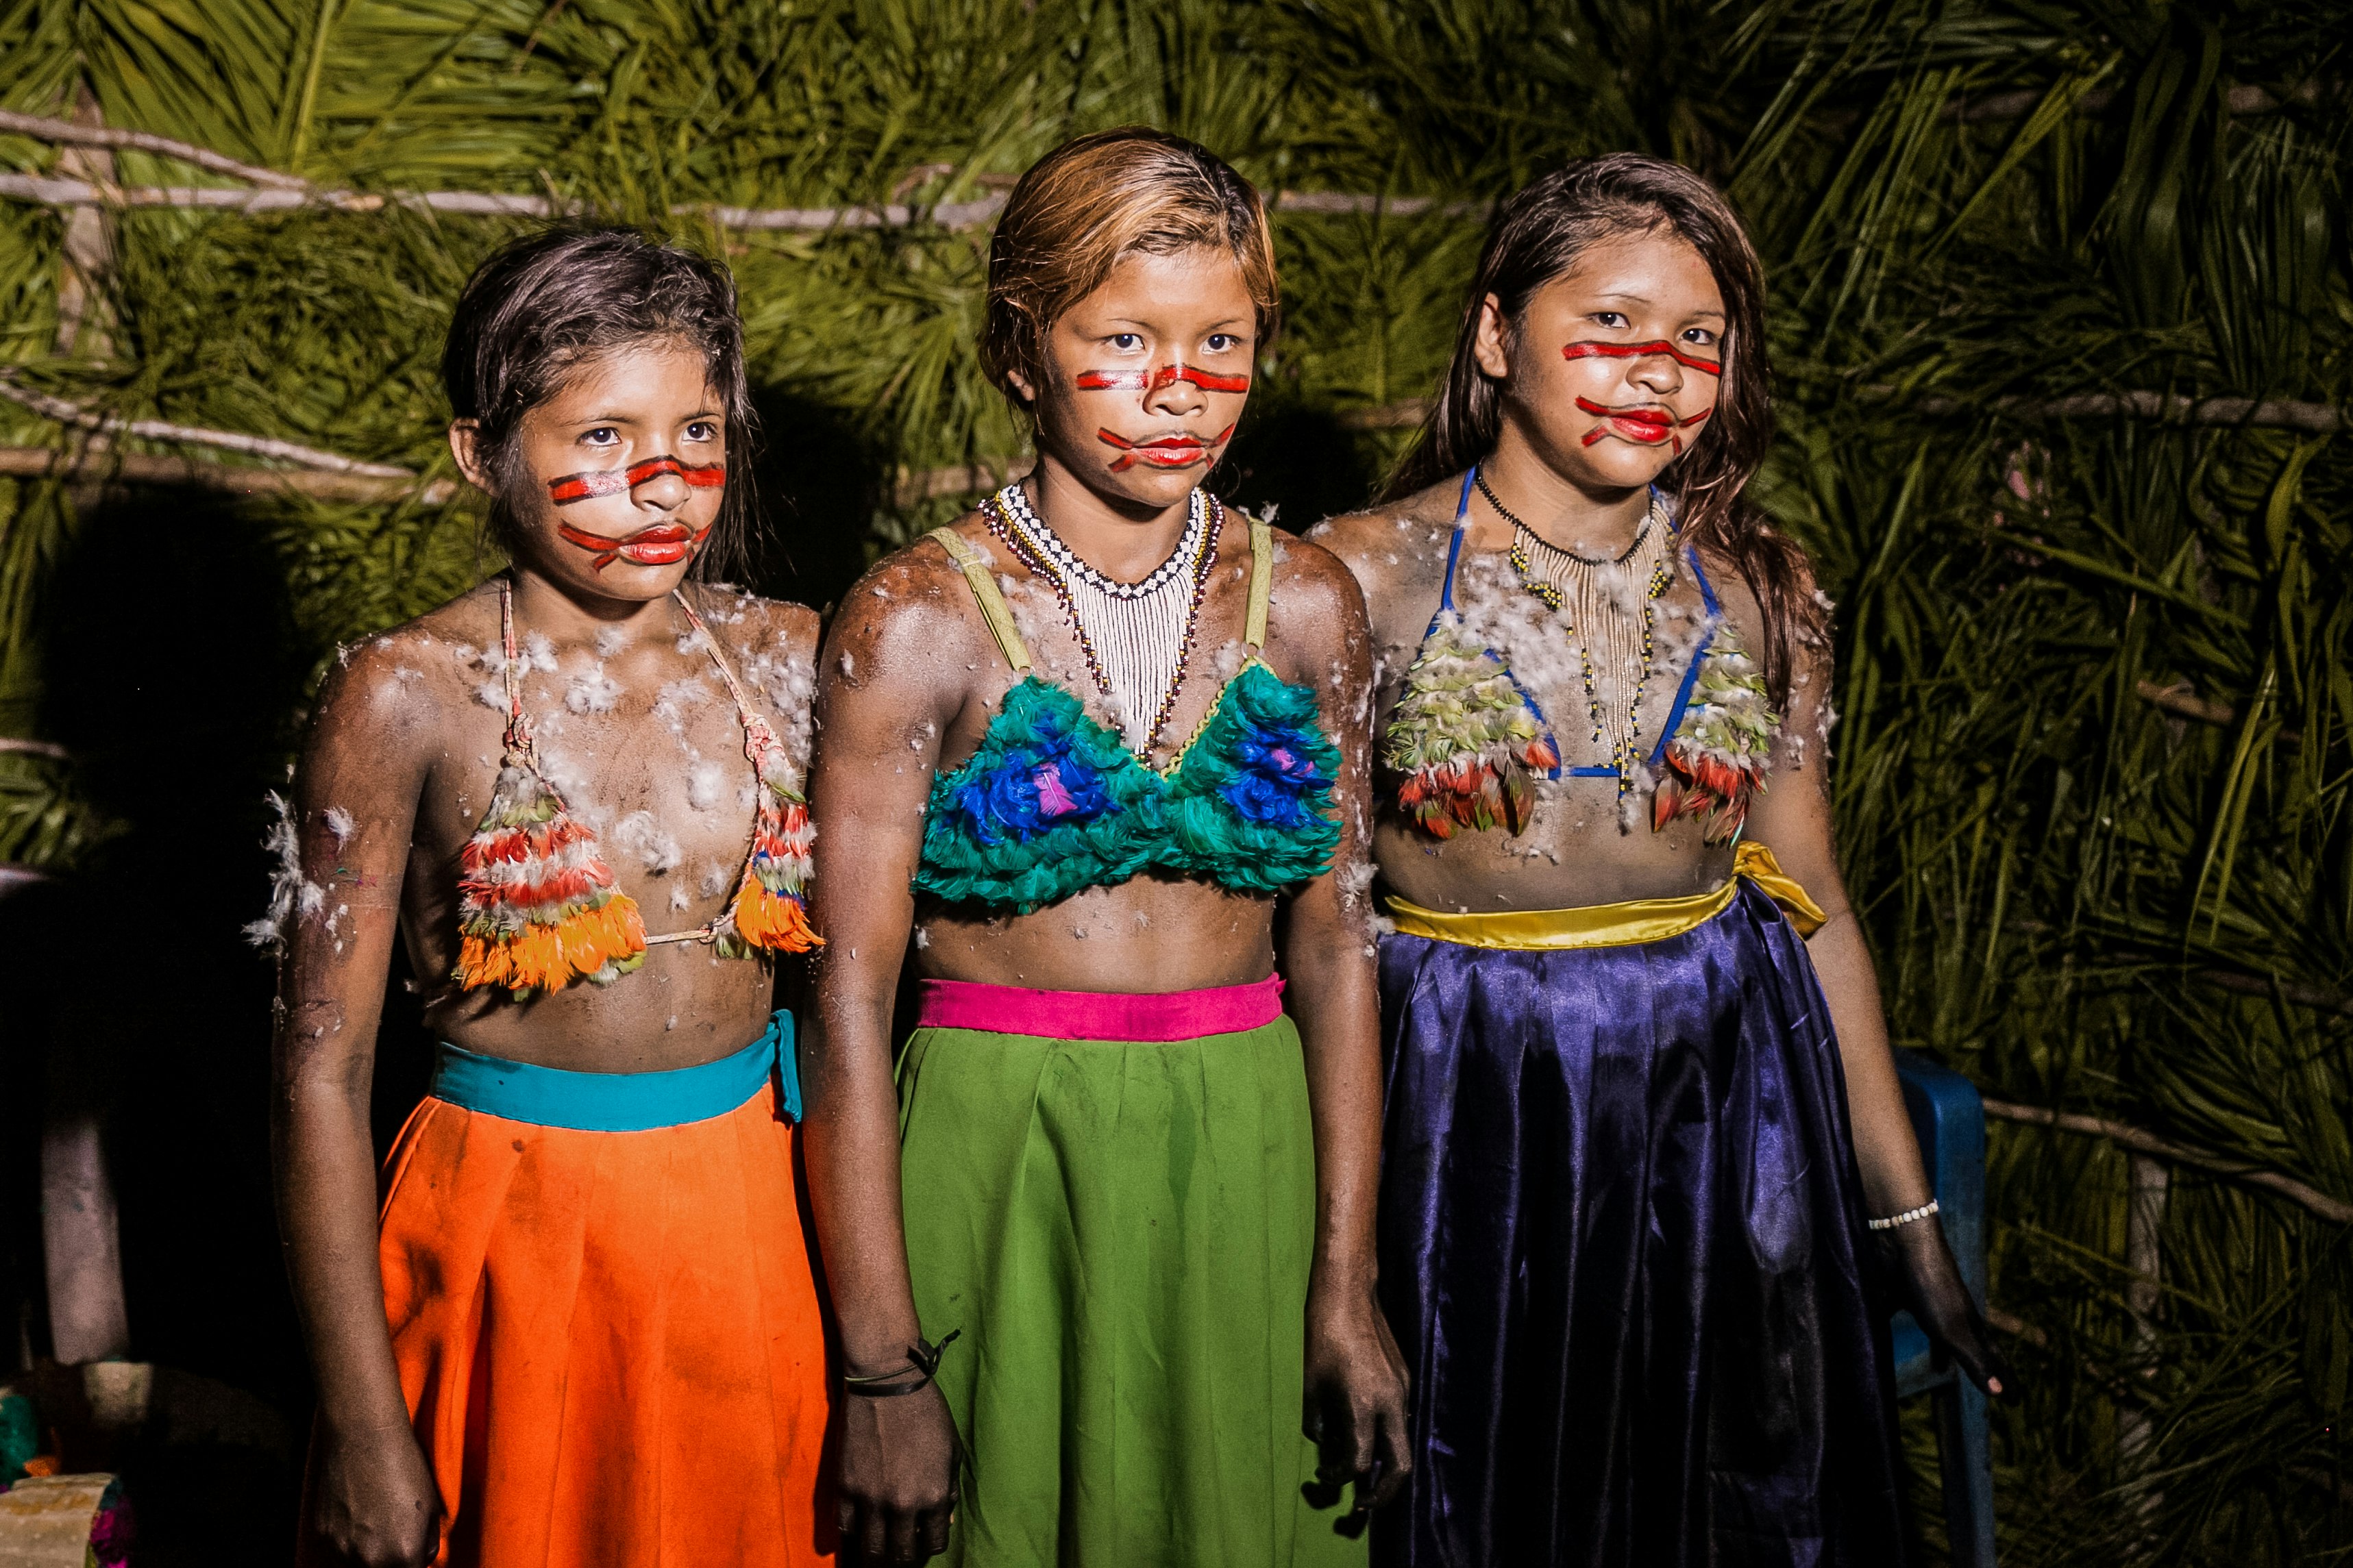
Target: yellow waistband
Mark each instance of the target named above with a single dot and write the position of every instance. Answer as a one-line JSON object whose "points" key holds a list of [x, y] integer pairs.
{"points": [[1615, 925]]}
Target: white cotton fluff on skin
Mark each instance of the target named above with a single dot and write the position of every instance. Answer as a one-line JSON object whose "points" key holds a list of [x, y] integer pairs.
{"points": [[538, 652], [706, 785], [789, 682], [640, 834], [492, 695], [292, 896], [610, 641], [671, 702], [677, 895], [691, 642], [923, 938], [339, 824], [594, 693], [715, 877]]}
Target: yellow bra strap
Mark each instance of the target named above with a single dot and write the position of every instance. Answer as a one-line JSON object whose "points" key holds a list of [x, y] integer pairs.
{"points": [[993, 607], [1261, 581]]}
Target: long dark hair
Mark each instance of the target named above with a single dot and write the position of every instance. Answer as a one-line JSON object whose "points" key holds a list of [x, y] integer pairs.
{"points": [[540, 309], [1537, 235]]}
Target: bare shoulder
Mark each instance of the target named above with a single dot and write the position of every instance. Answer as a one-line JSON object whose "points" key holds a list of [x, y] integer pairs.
{"points": [[1310, 577], [397, 698], [1398, 554], [776, 628], [911, 615]]}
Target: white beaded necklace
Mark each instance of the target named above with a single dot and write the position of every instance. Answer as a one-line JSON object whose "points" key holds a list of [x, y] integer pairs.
{"points": [[1137, 637]]}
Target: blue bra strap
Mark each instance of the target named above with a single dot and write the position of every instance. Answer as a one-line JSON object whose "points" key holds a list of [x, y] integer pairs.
{"points": [[1691, 676], [1453, 551], [1706, 589]]}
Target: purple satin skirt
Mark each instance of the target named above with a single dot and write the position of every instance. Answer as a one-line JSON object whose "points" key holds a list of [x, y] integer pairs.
{"points": [[1621, 1247]]}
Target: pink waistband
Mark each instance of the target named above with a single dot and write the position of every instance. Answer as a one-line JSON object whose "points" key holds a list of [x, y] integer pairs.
{"points": [[1099, 1014]]}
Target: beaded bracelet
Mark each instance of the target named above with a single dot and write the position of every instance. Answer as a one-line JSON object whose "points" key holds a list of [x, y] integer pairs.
{"points": [[1906, 1217]]}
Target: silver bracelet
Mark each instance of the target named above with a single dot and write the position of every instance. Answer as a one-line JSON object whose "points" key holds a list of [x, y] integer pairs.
{"points": [[1906, 1217]]}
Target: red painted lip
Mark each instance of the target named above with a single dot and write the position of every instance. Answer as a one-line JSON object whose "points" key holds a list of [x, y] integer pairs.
{"points": [[663, 545], [1644, 427], [1162, 451]]}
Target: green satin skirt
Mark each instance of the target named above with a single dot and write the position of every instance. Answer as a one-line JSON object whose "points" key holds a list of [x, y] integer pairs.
{"points": [[1122, 1233]]}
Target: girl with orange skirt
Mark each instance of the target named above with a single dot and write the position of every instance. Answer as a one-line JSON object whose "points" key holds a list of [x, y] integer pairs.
{"points": [[575, 1320]]}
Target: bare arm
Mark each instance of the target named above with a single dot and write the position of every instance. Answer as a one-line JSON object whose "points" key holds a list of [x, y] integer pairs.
{"points": [[884, 699], [354, 809], [1355, 1378], [1793, 816]]}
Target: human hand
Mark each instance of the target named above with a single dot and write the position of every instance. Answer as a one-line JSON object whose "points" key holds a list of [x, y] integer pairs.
{"points": [[898, 1476], [377, 1502], [1355, 1403], [1928, 1282]]}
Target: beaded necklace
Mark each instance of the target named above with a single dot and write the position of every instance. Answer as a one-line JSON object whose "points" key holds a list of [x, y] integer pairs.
{"points": [[1137, 637], [1584, 589]]}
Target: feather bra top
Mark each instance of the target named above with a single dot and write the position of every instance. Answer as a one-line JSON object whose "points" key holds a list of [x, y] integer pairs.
{"points": [[1470, 740], [1054, 803], [539, 908]]}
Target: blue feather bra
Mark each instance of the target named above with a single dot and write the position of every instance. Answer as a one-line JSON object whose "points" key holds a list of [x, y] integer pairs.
{"points": [[1053, 802]]}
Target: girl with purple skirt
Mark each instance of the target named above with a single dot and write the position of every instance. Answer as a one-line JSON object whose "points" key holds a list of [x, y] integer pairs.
{"points": [[1647, 1164]]}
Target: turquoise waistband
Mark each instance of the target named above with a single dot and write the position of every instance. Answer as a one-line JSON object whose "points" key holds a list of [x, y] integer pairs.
{"points": [[620, 1101]]}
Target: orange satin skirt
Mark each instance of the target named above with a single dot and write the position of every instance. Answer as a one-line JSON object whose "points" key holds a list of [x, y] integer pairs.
{"points": [[610, 1343]]}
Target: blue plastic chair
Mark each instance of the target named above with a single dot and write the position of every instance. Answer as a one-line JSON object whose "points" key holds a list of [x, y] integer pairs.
{"points": [[1949, 1116]]}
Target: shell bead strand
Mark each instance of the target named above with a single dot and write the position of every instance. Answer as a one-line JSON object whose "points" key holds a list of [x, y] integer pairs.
{"points": [[1137, 637]]}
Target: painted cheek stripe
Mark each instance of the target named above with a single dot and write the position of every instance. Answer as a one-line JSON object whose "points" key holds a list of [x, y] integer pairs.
{"points": [[613, 481], [1162, 451], [1153, 381], [1589, 350]]}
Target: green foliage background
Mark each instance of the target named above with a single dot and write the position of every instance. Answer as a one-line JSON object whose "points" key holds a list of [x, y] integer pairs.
{"points": [[1969, 210]]}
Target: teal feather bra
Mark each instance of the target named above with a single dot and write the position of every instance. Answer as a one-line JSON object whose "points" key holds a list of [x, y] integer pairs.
{"points": [[1054, 803]]}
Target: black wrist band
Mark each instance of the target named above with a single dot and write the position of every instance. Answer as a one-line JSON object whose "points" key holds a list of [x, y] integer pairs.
{"points": [[923, 1366]]}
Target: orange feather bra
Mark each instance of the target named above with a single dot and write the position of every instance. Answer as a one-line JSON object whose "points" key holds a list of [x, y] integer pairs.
{"points": [[539, 909]]}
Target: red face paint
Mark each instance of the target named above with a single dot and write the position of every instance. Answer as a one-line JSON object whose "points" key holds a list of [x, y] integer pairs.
{"points": [[1643, 426], [1153, 380], [1162, 451], [613, 481], [1640, 350], [663, 545]]}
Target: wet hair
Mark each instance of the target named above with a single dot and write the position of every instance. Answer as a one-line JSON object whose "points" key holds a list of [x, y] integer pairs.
{"points": [[1537, 235], [1090, 204], [544, 307]]}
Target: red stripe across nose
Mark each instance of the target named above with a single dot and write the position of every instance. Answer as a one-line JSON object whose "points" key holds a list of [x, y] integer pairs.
{"points": [[1590, 350], [1153, 380], [613, 481]]}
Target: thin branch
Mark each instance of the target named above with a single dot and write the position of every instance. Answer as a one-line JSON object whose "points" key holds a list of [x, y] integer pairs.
{"points": [[2243, 99], [2334, 1210], [2184, 701], [151, 469], [65, 134], [2164, 408], [81, 418], [34, 748], [2312, 996], [978, 213]]}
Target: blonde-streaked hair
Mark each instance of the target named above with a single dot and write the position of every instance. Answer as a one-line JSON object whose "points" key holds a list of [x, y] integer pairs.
{"points": [[1094, 201]]}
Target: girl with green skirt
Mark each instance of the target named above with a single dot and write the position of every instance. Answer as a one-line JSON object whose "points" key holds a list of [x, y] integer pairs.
{"points": [[1105, 1280]]}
